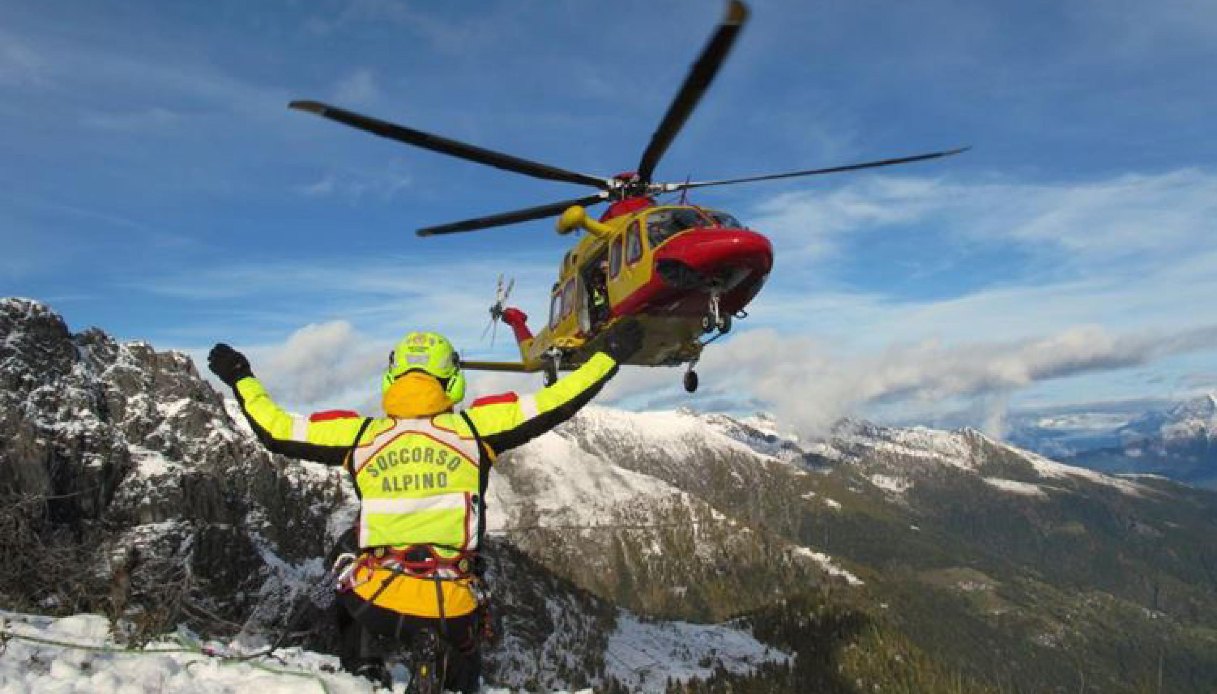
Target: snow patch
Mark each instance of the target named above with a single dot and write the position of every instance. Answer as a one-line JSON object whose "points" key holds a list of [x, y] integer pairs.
{"points": [[1015, 487], [830, 503], [1052, 469], [644, 655], [163, 666], [569, 485], [828, 565], [150, 463], [888, 483]]}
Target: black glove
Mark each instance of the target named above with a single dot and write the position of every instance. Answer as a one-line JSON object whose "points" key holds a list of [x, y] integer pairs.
{"points": [[624, 340], [228, 364]]}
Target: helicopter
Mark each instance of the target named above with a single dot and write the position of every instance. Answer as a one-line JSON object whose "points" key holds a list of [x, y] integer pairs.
{"points": [[683, 271]]}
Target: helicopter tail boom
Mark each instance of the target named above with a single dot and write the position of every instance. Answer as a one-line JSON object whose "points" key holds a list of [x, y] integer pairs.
{"points": [[518, 320]]}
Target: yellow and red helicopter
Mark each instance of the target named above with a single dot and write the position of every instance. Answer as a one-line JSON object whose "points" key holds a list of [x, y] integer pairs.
{"points": [[683, 271]]}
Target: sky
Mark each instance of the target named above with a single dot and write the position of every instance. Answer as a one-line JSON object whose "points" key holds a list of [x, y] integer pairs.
{"points": [[156, 185]]}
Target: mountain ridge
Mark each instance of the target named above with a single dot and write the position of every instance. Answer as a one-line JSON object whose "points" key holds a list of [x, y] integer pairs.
{"points": [[881, 556]]}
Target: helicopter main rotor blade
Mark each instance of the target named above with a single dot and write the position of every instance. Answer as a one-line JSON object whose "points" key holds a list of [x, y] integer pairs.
{"points": [[669, 187], [504, 218], [696, 83], [444, 145]]}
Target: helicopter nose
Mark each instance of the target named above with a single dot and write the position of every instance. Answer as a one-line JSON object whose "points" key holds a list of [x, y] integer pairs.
{"points": [[700, 256]]}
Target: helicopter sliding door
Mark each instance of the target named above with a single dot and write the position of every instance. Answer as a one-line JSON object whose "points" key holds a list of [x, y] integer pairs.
{"points": [[585, 322]]}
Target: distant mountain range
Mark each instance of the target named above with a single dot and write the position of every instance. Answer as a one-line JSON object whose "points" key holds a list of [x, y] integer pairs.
{"points": [[629, 549], [1175, 440]]}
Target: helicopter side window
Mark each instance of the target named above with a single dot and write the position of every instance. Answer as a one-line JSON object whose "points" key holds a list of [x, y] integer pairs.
{"points": [[568, 297], [555, 309], [633, 244], [615, 257], [664, 224]]}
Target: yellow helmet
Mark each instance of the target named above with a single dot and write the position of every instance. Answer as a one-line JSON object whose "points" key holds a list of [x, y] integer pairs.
{"points": [[430, 353]]}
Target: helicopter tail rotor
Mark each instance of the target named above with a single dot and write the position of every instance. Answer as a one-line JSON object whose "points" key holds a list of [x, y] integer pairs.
{"points": [[501, 294]]}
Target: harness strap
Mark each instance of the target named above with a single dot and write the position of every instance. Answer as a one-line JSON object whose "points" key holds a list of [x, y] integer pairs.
{"points": [[420, 561], [439, 602], [358, 612]]}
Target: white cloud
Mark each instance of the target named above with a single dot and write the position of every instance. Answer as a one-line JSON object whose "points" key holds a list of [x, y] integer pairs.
{"points": [[20, 64], [333, 365], [140, 122], [453, 37], [1123, 296], [356, 185], [357, 89], [380, 296], [320, 364], [1130, 252], [1085, 221], [809, 385], [808, 224]]}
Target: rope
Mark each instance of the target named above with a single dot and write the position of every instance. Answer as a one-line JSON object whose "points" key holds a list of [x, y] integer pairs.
{"points": [[6, 634], [224, 660]]}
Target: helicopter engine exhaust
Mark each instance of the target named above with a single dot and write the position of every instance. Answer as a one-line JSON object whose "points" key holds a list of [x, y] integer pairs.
{"points": [[575, 217]]}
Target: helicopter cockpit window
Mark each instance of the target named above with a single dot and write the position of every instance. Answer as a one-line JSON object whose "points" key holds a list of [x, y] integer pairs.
{"points": [[663, 224], [633, 244], [724, 220]]}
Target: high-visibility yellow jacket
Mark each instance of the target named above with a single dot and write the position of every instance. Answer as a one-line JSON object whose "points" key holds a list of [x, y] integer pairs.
{"points": [[416, 469]]}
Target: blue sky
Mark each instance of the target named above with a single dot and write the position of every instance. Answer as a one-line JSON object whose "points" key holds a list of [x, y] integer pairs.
{"points": [[156, 185]]}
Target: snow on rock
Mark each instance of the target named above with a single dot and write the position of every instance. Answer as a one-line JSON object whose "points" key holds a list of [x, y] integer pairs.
{"points": [[163, 666], [760, 433], [898, 450], [830, 503], [643, 655], [1052, 469], [563, 483], [827, 564], [888, 483], [921, 443], [680, 434], [1015, 487], [180, 665]]}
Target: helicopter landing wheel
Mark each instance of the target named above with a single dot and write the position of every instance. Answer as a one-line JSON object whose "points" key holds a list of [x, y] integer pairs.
{"points": [[551, 375], [724, 323], [691, 381], [707, 324]]}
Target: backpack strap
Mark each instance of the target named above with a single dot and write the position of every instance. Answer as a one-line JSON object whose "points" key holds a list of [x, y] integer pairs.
{"points": [[484, 463], [349, 462]]}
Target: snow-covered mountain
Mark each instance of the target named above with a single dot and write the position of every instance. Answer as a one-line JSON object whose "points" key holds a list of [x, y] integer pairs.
{"points": [[1178, 441], [1194, 419], [627, 548], [174, 511]]}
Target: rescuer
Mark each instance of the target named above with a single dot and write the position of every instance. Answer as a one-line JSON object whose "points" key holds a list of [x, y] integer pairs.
{"points": [[420, 473]]}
